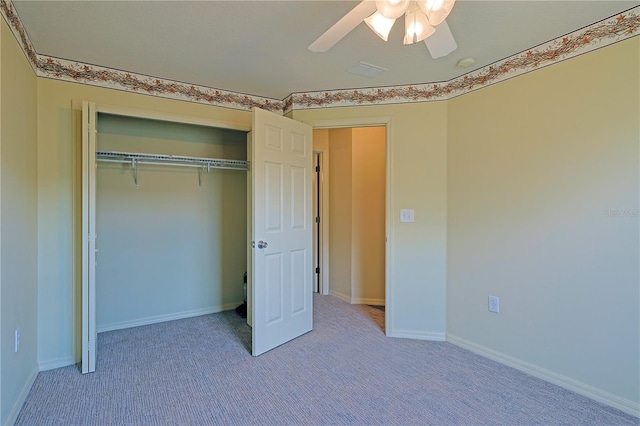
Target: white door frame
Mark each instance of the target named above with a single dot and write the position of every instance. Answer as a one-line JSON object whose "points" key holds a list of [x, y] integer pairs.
{"points": [[389, 207], [316, 240], [324, 220], [88, 140]]}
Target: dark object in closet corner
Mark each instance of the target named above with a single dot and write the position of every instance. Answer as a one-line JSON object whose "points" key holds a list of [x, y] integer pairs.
{"points": [[242, 309]]}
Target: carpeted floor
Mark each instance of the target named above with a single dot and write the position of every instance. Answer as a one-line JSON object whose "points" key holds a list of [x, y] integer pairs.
{"points": [[199, 371]]}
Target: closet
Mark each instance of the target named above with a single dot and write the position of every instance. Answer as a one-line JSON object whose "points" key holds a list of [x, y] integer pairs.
{"points": [[171, 223], [175, 209]]}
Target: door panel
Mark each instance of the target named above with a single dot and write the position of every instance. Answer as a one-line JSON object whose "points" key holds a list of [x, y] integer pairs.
{"points": [[275, 290], [273, 197], [281, 164], [299, 270], [298, 197], [273, 138], [298, 146]]}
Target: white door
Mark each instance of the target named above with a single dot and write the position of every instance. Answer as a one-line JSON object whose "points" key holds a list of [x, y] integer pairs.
{"points": [[89, 117], [281, 270]]}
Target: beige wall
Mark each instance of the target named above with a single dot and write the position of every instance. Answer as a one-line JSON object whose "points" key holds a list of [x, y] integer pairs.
{"points": [[59, 203], [340, 212], [536, 165], [18, 225], [368, 232]]}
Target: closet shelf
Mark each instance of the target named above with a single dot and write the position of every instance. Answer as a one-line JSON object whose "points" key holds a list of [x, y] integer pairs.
{"points": [[135, 158], [201, 163]]}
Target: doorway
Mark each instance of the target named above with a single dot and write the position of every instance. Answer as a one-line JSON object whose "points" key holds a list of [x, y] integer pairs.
{"points": [[351, 202]]}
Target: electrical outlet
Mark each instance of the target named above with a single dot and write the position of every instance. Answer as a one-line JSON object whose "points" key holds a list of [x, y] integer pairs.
{"points": [[16, 340], [494, 304]]}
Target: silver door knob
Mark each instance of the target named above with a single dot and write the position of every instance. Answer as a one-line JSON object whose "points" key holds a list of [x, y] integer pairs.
{"points": [[262, 244]]}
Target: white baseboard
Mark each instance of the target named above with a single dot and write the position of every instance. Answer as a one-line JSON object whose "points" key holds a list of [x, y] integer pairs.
{"points": [[357, 301], [418, 335], [13, 415], [167, 317], [365, 301], [340, 296], [608, 398], [56, 363]]}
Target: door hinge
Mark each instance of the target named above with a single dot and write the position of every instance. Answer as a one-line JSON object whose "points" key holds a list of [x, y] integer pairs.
{"points": [[317, 270], [317, 169], [317, 219]]}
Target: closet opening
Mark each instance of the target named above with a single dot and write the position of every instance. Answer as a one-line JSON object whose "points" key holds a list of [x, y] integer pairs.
{"points": [[173, 214], [171, 226]]}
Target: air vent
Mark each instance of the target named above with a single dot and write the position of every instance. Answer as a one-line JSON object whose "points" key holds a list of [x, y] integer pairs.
{"points": [[366, 70]]}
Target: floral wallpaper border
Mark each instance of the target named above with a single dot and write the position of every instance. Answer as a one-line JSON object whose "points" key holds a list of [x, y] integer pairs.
{"points": [[600, 34], [62, 69]]}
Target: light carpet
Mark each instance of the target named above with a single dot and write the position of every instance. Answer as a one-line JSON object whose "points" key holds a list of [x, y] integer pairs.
{"points": [[199, 371]]}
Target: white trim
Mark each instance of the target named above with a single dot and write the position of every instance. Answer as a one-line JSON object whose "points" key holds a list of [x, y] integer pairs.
{"points": [[340, 296], [76, 249], [390, 239], [15, 410], [324, 223], [390, 232], [356, 300], [56, 363], [166, 317], [367, 301], [88, 236], [2, 337], [418, 335], [325, 179], [608, 398], [349, 122]]}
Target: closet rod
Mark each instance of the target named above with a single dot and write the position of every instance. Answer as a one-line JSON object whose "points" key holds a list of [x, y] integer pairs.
{"points": [[172, 160]]}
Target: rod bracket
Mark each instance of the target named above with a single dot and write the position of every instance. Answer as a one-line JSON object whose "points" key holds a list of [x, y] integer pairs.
{"points": [[134, 166]]}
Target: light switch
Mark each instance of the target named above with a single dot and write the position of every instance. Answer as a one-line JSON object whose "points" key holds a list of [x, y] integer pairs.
{"points": [[406, 215]]}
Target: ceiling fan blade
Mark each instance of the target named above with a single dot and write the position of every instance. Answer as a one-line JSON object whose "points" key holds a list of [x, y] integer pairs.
{"points": [[441, 43], [343, 27]]}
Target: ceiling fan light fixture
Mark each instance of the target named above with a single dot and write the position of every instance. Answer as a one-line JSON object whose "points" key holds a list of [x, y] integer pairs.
{"points": [[380, 24], [392, 9], [416, 26], [436, 10]]}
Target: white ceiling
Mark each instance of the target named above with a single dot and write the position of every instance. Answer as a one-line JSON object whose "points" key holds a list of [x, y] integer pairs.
{"points": [[260, 47]]}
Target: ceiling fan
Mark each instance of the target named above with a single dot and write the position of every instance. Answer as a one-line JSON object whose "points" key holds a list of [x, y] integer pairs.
{"points": [[424, 20]]}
